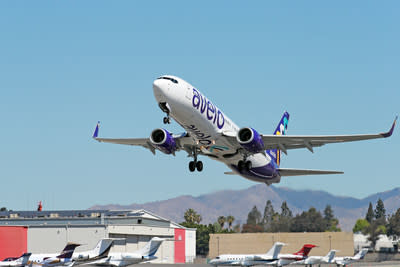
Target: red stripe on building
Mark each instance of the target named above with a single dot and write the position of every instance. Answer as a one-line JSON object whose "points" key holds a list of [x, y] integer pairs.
{"points": [[13, 241], [179, 254]]}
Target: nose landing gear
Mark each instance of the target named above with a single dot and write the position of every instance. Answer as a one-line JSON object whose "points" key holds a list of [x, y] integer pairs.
{"points": [[165, 108]]}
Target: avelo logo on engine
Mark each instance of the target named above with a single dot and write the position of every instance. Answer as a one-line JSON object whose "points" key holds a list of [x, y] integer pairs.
{"points": [[208, 109]]}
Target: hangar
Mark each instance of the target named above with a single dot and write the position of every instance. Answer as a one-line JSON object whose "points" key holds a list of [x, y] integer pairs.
{"points": [[49, 231]]}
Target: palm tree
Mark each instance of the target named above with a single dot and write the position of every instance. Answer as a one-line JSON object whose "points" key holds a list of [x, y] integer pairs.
{"points": [[221, 221], [230, 220], [191, 216]]}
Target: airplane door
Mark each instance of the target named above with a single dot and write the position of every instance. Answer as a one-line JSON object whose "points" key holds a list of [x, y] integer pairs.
{"points": [[189, 93]]}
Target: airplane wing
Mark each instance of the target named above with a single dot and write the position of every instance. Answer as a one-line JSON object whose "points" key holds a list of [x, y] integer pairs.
{"points": [[285, 142], [183, 141]]}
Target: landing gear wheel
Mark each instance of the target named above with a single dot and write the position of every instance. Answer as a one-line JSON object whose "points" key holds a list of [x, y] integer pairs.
{"points": [[248, 165], [192, 166], [199, 166], [166, 120], [241, 165]]}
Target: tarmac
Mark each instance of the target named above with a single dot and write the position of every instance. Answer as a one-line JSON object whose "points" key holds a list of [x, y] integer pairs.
{"points": [[356, 264]]}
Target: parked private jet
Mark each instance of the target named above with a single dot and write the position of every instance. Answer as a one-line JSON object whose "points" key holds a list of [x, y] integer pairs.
{"points": [[311, 260], [63, 259], [16, 262], [98, 252], [124, 259], [249, 259], [211, 133], [285, 259], [344, 261]]}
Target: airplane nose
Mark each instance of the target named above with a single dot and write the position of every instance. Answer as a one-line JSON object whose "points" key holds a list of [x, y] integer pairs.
{"points": [[157, 86]]}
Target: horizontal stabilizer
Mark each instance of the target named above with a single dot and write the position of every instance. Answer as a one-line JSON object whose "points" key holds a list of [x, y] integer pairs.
{"points": [[297, 172]]}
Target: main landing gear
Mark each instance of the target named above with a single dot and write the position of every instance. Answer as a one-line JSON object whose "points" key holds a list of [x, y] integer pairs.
{"points": [[244, 165], [194, 164]]}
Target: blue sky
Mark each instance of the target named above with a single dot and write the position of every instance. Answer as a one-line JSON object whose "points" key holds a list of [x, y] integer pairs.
{"points": [[334, 66]]}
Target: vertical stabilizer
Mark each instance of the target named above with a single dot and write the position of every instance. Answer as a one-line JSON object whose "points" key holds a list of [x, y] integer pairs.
{"points": [[68, 251], [305, 250], [330, 256], [103, 247], [23, 260], [275, 250], [151, 247], [361, 254], [275, 154]]}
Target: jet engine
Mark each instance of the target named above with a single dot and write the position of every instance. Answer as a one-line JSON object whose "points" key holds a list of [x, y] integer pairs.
{"points": [[250, 140], [163, 141]]}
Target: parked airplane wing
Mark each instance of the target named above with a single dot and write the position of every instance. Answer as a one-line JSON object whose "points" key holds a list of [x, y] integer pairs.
{"points": [[285, 142], [298, 172]]}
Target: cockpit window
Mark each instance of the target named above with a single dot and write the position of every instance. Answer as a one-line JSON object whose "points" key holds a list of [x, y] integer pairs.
{"points": [[168, 78], [217, 258]]}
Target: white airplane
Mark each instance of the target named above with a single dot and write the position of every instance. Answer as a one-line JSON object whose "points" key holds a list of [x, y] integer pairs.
{"points": [[211, 133], [344, 261], [285, 259], [99, 251], [249, 259], [311, 260], [63, 259], [18, 262], [123, 259]]}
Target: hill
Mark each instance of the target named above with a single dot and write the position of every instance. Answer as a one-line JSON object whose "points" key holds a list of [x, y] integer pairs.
{"points": [[239, 202]]}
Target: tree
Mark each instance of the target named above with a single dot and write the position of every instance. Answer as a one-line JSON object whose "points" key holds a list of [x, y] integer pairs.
{"points": [[285, 211], [373, 231], [254, 216], [253, 223], [331, 223], [370, 214], [3, 209], [380, 212], [268, 215], [192, 217], [308, 221], [360, 226], [393, 227], [221, 221], [230, 219]]}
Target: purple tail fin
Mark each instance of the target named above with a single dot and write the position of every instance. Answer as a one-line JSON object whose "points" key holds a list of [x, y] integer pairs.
{"points": [[275, 154]]}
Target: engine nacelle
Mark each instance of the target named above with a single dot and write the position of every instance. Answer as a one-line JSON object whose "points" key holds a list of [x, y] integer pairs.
{"points": [[163, 141], [250, 140]]}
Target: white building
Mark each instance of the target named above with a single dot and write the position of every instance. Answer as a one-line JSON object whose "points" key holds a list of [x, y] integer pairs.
{"points": [[49, 231]]}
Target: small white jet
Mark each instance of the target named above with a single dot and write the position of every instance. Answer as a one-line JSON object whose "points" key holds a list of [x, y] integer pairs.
{"points": [[211, 133], [18, 262], [249, 259], [99, 251], [344, 261], [147, 253], [311, 260], [285, 259], [63, 259]]}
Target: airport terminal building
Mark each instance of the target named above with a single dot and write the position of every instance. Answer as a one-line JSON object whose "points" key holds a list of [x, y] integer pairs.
{"points": [[49, 231]]}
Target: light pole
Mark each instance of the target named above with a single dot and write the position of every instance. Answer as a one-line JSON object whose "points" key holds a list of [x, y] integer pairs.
{"points": [[330, 243], [218, 245]]}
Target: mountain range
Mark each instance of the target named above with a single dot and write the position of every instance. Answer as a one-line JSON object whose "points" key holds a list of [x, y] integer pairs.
{"points": [[239, 202]]}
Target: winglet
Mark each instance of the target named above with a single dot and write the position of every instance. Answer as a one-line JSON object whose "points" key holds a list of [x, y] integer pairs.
{"points": [[390, 132], [96, 131]]}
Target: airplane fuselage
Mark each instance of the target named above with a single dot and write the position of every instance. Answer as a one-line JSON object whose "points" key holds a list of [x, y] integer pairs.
{"points": [[206, 124]]}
